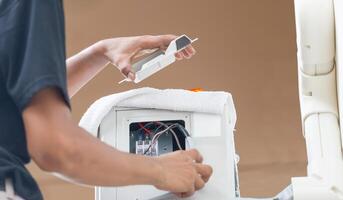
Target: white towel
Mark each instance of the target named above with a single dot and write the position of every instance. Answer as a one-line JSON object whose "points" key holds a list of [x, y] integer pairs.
{"points": [[169, 99]]}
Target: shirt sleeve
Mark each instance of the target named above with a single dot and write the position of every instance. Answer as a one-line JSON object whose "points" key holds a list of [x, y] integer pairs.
{"points": [[33, 42]]}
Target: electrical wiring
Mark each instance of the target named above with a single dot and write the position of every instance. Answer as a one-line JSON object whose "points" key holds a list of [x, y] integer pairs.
{"points": [[172, 131], [147, 124], [144, 128], [181, 128], [174, 134], [184, 131], [157, 135], [167, 128], [186, 134]]}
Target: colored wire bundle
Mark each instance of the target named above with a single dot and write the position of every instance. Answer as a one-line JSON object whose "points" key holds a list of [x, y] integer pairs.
{"points": [[167, 128]]}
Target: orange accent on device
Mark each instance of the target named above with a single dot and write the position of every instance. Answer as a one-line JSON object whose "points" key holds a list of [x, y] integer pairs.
{"points": [[197, 90]]}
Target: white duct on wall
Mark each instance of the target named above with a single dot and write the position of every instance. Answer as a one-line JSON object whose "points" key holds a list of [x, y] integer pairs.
{"points": [[315, 24], [315, 18]]}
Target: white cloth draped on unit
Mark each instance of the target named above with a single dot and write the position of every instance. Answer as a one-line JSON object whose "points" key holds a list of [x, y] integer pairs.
{"points": [[168, 99]]}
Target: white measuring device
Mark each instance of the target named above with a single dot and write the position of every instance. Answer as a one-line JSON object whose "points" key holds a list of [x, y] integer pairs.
{"points": [[159, 59]]}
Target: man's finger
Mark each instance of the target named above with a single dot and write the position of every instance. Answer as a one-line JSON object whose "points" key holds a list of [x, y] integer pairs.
{"points": [[126, 70], [178, 56], [131, 76], [152, 42], [195, 155], [199, 183], [187, 194], [190, 49], [186, 54], [205, 171]]}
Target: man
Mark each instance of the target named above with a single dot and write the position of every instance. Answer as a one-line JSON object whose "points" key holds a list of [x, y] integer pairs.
{"points": [[35, 118]]}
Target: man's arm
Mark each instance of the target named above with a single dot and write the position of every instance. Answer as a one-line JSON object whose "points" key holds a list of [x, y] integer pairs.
{"points": [[57, 144], [82, 67]]}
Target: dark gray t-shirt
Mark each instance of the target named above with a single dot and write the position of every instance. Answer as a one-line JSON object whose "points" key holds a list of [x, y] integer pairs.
{"points": [[32, 57]]}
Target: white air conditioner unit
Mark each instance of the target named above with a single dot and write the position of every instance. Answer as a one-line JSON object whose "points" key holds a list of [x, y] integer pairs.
{"points": [[132, 130]]}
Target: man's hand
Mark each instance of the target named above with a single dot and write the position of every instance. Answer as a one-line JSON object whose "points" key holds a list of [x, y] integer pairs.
{"points": [[121, 51], [83, 66], [182, 172]]}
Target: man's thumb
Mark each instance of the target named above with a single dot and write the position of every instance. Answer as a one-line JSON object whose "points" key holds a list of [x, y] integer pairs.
{"points": [[126, 70]]}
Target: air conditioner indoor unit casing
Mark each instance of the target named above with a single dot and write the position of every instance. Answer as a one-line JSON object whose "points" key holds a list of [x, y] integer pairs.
{"points": [[211, 134]]}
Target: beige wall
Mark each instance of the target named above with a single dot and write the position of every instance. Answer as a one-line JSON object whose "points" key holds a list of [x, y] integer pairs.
{"points": [[246, 47]]}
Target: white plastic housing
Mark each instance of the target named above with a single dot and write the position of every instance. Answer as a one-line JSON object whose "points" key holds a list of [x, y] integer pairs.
{"points": [[211, 135], [315, 23], [338, 4], [315, 35]]}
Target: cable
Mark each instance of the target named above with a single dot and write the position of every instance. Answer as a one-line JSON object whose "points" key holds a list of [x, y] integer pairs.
{"points": [[186, 133], [175, 136], [146, 124], [181, 128], [157, 135], [144, 128]]}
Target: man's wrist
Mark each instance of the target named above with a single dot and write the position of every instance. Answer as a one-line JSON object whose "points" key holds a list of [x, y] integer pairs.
{"points": [[150, 171], [157, 175], [98, 51]]}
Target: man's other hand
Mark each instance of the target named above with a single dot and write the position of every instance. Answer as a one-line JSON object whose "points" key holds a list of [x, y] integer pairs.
{"points": [[121, 51], [182, 172]]}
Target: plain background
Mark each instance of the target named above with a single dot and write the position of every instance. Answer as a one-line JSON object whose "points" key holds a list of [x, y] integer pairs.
{"points": [[245, 47]]}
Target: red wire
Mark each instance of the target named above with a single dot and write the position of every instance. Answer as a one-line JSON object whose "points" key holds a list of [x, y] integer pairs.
{"points": [[145, 129]]}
